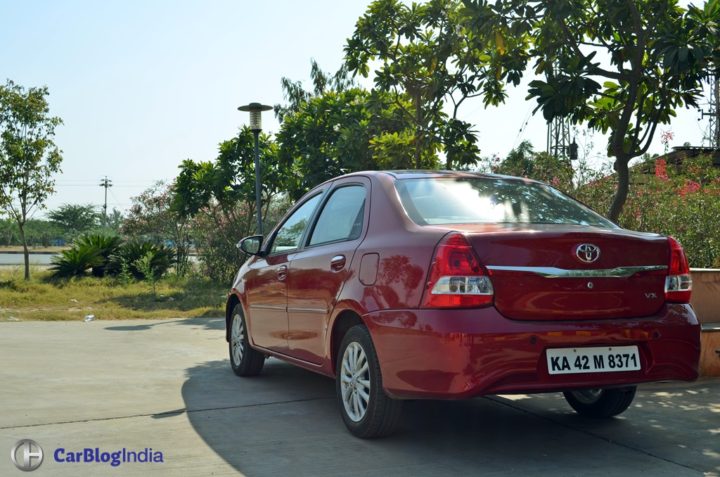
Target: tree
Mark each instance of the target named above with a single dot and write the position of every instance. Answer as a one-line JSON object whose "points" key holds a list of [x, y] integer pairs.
{"points": [[624, 66], [523, 161], [219, 196], [322, 82], [75, 219], [231, 177], [344, 131], [28, 154], [338, 127], [152, 218], [114, 220], [427, 59]]}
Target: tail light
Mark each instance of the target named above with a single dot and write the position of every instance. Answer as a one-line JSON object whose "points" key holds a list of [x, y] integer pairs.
{"points": [[456, 278], [678, 284]]}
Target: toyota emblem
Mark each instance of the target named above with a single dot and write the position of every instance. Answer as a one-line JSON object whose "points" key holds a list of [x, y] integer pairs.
{"points": [[587, 252]]}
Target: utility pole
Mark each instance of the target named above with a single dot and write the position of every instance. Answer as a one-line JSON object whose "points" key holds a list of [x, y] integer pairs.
{"points": [[713, 131], [105, 182], [558, 137]]}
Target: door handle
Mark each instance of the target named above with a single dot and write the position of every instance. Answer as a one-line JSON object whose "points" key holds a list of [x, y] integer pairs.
{"points": [[337, 262], [282, 272]]}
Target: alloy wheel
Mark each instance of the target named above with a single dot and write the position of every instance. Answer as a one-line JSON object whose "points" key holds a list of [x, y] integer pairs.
{"points": [[237, 337], [355, 382], [588, 396]]}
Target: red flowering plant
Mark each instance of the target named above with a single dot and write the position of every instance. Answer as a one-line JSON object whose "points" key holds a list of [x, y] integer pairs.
{"points": [[682, 201]]}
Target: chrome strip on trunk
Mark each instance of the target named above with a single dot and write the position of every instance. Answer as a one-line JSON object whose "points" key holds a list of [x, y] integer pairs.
{"points": [[553, 272]]}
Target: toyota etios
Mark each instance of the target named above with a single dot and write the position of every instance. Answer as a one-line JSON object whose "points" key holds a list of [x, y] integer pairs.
{"points": [[411, 284]]}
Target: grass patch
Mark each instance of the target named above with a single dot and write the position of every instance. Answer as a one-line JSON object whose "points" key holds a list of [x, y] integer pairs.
{"points": [[107, 298]]}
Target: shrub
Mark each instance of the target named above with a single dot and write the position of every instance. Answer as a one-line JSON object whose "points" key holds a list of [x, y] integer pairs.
{"points": [[75, 262], [160, 259], [216, 234], [104, 245], [145, 266], [108, 255], [682, 201]]}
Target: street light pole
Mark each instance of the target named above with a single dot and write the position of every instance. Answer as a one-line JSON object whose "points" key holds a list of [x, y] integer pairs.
{"points": [[258, 182], [255, 110]]}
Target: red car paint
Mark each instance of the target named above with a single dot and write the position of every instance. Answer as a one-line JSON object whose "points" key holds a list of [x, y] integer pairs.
{"points": [[294, 301]]}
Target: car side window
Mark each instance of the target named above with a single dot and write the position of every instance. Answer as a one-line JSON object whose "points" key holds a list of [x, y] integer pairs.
{"points": [[341, 217], [291, 232]]}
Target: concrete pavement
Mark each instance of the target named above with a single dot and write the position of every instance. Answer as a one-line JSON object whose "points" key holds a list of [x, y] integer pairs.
{"points": [[166, 385]]}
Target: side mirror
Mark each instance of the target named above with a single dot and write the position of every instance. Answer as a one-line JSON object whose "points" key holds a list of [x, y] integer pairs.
{"points": [[251, 245]]}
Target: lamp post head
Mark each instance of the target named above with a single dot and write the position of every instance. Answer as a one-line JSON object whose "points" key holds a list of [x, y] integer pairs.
{"points": [[255, 110]]}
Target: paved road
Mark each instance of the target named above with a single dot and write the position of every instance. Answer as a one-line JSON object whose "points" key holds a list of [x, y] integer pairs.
{"points": [[166, 385]]}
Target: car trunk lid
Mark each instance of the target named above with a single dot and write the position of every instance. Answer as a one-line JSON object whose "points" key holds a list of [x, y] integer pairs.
{"points": [[561, 272]]}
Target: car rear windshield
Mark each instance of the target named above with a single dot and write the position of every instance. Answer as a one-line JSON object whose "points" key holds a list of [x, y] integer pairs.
{"points": [[466, 200]]}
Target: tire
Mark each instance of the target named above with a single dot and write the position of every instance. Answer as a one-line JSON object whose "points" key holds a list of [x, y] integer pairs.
{"points": [[601, 403], [244, 360], [365, 408]]}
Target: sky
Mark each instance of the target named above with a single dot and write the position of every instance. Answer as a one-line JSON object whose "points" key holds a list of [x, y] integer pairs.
{"points": [[143, 85]]}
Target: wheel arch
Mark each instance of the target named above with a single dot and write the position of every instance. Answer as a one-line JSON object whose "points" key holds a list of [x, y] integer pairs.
{"points": [[232, 301], [344, 320]]}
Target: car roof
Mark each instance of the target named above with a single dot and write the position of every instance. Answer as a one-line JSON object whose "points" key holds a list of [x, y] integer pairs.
{"points": [[418, 174]]}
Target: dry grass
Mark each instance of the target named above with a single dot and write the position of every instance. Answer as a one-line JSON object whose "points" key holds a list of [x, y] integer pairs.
{"points": [[106, 298]]}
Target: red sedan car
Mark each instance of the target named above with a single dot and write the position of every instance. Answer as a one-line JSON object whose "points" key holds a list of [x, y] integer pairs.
{"points": [[411, 284]]}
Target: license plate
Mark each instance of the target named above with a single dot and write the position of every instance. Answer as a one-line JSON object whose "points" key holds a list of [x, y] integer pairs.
{"points": [[593, 360]]}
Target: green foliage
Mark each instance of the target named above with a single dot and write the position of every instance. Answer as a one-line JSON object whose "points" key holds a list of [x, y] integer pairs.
{"points": [[428, 59], [684, 204], [231, 177], [38, 233], [524, 162], [216, 236], [28, 155], [157, 257], [75, 262], [124, 275], [337, 132], [103, 245], [145, 266], [218, 197], [74, 219], [107, 255], [152, 218], [624, 66], [322, 82]]}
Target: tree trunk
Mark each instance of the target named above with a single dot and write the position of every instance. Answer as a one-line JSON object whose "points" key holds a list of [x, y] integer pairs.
{"points": [[621, 164], [26, 252]]}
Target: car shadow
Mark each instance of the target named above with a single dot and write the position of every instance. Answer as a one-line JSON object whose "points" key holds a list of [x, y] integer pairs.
{"points": [[286, 422]]}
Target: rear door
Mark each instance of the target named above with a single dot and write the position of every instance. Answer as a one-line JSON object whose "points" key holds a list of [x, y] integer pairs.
{"points": [[318, 272]]}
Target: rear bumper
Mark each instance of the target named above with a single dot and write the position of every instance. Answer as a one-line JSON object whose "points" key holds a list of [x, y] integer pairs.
{"points": [[465, 353]]}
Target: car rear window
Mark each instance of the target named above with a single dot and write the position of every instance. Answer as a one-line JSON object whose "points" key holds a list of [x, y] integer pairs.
{"points": [[453, 200]]}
